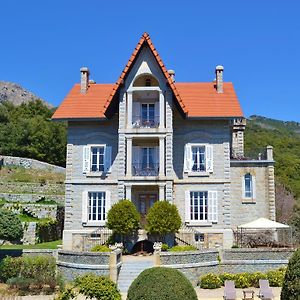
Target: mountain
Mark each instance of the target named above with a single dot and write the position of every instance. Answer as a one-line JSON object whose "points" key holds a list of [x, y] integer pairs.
{"points": [[17, 95]]}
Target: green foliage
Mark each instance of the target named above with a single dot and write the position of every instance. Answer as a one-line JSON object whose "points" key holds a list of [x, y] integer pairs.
{"points": [[27, 131], [10, 226], [10, 267], [98, 287], [163, 218], [275, 277], [123, 218], [164, 247], [48, 245], [210, 281], [242, 280], [226, 276], [100, 248], [47, 231], [254, 278], [291, 284], [182, 248], [163, 284]]}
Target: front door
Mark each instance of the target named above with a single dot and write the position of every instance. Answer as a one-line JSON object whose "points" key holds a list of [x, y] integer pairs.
{"points": [[145, 202]]}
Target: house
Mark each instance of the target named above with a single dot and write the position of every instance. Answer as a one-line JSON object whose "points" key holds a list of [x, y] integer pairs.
{"points": [[148, 138]]}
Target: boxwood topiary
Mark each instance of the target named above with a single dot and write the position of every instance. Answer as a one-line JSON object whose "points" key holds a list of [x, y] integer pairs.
{"points": [[163, 284], [291, 284]]}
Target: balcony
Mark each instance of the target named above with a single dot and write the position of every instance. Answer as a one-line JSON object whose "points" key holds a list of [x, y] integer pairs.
{"points": [[138, 122], [140, 169]]}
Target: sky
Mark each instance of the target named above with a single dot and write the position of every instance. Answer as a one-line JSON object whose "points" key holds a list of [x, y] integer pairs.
{"points": [[43, 44]]}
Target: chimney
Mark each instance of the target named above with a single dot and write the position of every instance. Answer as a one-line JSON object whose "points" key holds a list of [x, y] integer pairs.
{"points": [[172, 74], [84, 80], [269, 152], [219, 79]]}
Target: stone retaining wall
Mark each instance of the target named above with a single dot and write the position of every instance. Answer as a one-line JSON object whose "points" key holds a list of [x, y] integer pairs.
{"points": [[32, 197], [29, 163]]}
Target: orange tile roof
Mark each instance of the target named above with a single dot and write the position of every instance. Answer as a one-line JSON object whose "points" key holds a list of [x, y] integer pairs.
{"points": [[202, 100], [195, 99]]}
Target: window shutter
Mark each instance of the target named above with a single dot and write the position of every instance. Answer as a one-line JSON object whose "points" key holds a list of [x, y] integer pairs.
{"points": [[187, 158], [107, 158], [187, 207], [212, 206], [156, 112], [84, 207], [253, 187], [243, 187], [209, 158], [107, 203], [136, 111], [136, 154], [86, 159]]}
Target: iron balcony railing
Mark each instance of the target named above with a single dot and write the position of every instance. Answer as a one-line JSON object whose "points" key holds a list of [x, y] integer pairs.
{"points": [[140, 169], [139, 122]]}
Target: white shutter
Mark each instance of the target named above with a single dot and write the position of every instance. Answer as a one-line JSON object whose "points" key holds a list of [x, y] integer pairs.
{"points": [[107, 203], [209, 158], [107, 158], [212, 206], [136, 113], [188, 158], [253, 187], [156, 112], [86, 159], [187, 207], [84, 207], [243, 187]]}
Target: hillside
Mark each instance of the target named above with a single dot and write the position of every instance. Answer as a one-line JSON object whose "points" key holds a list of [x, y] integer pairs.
{"points": [[15, 94]]}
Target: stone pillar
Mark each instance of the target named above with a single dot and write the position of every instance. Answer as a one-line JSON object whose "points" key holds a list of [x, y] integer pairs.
{"points": [[271, 192], [169, 191], [69, 162], [162, 192], [237, 143], [161, 156], [84, 79], [219, 79], [161, 110], [129, 109], [128, 191], [129, 156]]}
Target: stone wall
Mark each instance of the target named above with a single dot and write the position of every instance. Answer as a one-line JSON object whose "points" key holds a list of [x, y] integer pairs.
{"points": [[29, 233], [60, 199], [29, 163]]}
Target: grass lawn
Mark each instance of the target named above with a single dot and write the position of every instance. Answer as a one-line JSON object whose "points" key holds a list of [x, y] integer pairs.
{"points": [[48, 245]]}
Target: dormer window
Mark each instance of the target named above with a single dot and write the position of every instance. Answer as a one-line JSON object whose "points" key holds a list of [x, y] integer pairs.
{"points": [[148, 82], [148, 114]]}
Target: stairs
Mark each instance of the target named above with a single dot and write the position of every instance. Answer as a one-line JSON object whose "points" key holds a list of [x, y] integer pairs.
{"points": [[132, 266]]}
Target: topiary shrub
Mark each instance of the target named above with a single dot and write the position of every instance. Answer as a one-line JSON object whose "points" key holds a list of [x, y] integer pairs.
{"points": [[210, 281], [123, 218], [182, 248], [163, 218], [163, 284], [98, 287], [100, 248], [291, 284], [10, 226]]}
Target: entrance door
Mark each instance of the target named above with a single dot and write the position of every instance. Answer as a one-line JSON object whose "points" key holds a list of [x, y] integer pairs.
{"points": [[145, 202]]}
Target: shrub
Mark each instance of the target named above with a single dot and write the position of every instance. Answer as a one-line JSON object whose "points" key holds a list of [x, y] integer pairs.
{"points": [[100, 248], [275, 277], [291, 284], [10, 267], [164, 247], [163, 218], [226, 276], [10, 226], [47, 231], [123, 218], [98, 287], [242, 280], [254, 278], [210, 281], [182, 248], [161, 283]]}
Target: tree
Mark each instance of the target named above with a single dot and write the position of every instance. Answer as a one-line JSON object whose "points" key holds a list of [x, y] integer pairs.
{"points": [[291, 284], [163, 218], [123, 218], [10, 226]]}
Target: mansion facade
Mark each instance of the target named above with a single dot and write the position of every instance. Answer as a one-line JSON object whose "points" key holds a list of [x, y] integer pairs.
{"points": [[147, 138]]}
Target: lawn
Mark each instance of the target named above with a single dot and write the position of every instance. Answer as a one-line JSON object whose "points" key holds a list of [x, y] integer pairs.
{"points": [[48, 245]]}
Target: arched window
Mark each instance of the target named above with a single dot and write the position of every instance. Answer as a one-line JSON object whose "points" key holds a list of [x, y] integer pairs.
{"points": [[248, 186], [145, 80]]}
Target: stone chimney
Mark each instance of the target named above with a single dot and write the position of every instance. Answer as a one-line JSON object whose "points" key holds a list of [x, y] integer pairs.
{"points": [[172, 74], [237, 134], [270, 153], [84, 80], [219, 79]]}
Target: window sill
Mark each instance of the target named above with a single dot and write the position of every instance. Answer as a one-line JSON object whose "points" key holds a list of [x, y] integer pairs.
{"points": [[96, 174], [198, 174], [200, 223], [248, 201], [94, 224]]}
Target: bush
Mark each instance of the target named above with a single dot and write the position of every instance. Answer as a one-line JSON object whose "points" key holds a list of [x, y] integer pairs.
{"points": [[291, 284], [242, 280], [182, 248], [226, 276], [210, 281], [254, 278], [10, 226], [10, 267], [100, 248], [163, 284], [98, 287], [47, 231], [123, 218], [163, 218], [164, 247], [275, 277]]}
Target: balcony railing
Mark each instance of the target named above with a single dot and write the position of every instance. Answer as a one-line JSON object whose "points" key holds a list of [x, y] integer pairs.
{"points": [[139, 122], [145, 170]]}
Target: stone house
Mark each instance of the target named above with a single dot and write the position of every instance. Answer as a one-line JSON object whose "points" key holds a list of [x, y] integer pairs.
{"points": [[148, 138]]}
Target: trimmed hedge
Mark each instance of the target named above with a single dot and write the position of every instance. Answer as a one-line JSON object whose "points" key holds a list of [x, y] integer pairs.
{"points": [[163, 284], [182, 248], [101, 248], [48, 231]]}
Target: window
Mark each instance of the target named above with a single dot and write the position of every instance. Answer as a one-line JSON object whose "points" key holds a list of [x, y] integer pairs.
{"points": [[147, 158], [248, 186], [201, 206], [96, 158], [198, 158], [199, 237], [96, 206], [148, 114]]}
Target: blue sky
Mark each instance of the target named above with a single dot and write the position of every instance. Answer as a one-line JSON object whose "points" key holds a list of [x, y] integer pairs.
{"points": [[43, 44]]}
